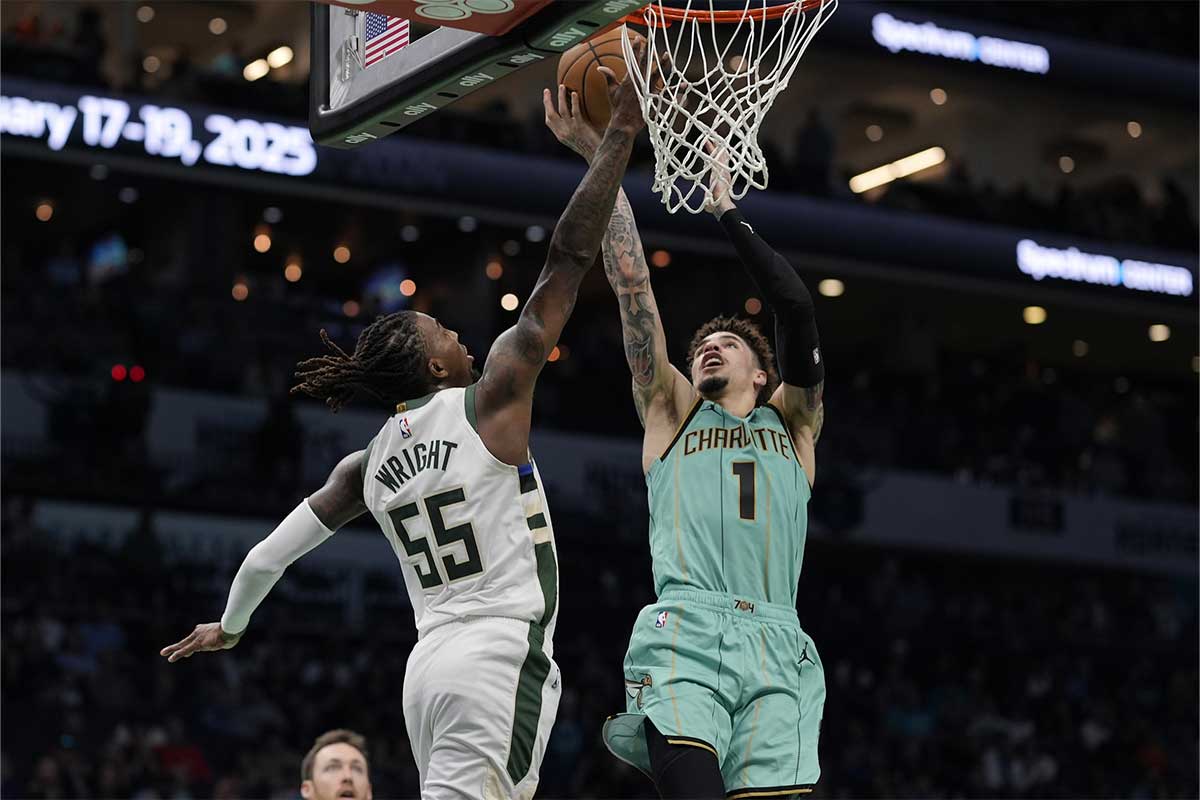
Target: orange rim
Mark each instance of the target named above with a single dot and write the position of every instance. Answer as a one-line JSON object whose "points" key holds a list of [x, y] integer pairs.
{"points": [[711, 17]]}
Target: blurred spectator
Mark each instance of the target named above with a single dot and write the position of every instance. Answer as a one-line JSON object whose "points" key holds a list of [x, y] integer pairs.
{"points": [[813, 158], [228, 63], [89, 45], [942, 681]]}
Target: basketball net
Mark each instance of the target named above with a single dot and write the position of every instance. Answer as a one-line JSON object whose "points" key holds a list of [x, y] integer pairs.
{"points": [[716, 94]]}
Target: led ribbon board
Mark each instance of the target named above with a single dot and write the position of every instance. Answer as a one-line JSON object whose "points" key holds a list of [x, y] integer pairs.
{"points": [[162, 131], [932, 40], [1072, 264]]}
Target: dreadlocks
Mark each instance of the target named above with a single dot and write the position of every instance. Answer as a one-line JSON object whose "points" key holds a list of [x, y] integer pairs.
{"points": [[387, 365], [749, 333]]}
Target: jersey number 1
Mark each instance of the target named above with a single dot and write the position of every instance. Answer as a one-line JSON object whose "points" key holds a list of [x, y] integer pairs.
{"points": [[744, 470], [444, 536]]}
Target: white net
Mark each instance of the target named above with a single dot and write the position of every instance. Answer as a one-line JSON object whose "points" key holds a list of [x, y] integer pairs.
{"points": [[723, 81]]}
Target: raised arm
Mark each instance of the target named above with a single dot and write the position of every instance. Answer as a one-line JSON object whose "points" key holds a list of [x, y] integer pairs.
{"points": [[656, 382], [800, 396], [661, 394], [339, 501], [504, 398]]}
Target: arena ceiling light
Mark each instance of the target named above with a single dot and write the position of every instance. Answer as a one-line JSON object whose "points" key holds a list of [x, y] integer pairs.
{"points": [[831, 287], [256, 69], [1033, 315], [279, 57], [902, 168]]}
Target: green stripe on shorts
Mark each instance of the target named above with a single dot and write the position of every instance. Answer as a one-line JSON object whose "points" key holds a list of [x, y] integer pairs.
{"points": [[528, 706], [547, 572]]}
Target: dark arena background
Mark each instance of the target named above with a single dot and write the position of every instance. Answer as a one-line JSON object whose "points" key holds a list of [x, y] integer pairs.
{"points": [[1001, 569]]}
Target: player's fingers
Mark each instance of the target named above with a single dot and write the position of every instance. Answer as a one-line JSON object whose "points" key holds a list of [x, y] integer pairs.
{"points": [[609, 76], [659, 61], [183, 652], [574, 105], [171, 648], [553, 117], [639, 50], [664, 63], [563, 110], [172, 652]]}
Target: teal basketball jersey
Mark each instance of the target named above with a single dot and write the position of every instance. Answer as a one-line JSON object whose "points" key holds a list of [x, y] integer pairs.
{"points": [[729, 507]]}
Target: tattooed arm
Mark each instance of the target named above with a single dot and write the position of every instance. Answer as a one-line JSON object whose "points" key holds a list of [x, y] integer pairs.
{"points": [[661, 394], [504, 397], [804, 410], [654, 379]]}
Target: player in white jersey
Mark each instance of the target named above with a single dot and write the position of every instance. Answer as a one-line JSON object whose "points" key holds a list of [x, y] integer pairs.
{"points": [[450, 480]]}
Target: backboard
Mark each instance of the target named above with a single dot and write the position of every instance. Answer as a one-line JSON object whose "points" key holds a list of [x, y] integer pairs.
{"points": [[374, 73]]}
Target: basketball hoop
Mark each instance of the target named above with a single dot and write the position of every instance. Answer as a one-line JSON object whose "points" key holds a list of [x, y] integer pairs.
{"points": [[716, 93]]}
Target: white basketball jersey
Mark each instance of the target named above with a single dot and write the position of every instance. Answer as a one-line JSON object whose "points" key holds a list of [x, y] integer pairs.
{"points": [[472, 533]]}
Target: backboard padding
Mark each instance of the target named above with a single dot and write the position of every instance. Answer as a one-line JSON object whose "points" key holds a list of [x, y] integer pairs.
{"points": [[434, 71]]}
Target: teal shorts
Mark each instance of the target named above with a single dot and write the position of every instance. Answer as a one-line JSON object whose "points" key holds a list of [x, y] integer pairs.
{"points": [[734, 676]]}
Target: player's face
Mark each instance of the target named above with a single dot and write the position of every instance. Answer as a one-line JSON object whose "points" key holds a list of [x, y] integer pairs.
{"points": [[725, 364], [339, 771], [450, 354]]}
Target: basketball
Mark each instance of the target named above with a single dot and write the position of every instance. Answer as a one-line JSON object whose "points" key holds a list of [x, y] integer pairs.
{"points": [[873, 274], [577, 70]]}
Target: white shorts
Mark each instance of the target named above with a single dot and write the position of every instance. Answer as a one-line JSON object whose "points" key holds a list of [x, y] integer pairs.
{"points": [[480, 697]]}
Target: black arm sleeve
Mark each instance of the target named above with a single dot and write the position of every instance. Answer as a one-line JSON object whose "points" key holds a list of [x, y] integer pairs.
{"points": [[797, 345]]}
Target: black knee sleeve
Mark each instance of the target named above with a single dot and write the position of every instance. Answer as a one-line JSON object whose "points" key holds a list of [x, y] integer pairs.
{"points": [[681, 771]]}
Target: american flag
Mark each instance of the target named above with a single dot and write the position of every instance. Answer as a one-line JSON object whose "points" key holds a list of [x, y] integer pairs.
{"points": [[384, 35]]}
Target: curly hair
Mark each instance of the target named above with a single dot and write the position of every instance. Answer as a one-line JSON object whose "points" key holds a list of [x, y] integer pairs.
{"points": [[748, 332], [387, 366]]}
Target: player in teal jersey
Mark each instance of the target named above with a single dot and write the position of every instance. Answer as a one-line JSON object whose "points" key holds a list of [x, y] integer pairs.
{"points": [[726, 691]]}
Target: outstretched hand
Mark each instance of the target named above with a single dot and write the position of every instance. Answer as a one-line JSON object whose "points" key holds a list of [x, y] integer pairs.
{"points": [[720, 180], [568, 124], [205, 638], [623, 95]]}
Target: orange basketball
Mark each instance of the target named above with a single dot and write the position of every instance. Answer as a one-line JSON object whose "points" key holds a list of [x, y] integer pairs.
{"points": [[577, 70]]}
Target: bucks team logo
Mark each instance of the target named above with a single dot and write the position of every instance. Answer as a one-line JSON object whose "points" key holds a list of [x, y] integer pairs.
{"points": [[405, 431], [661, 622]]}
